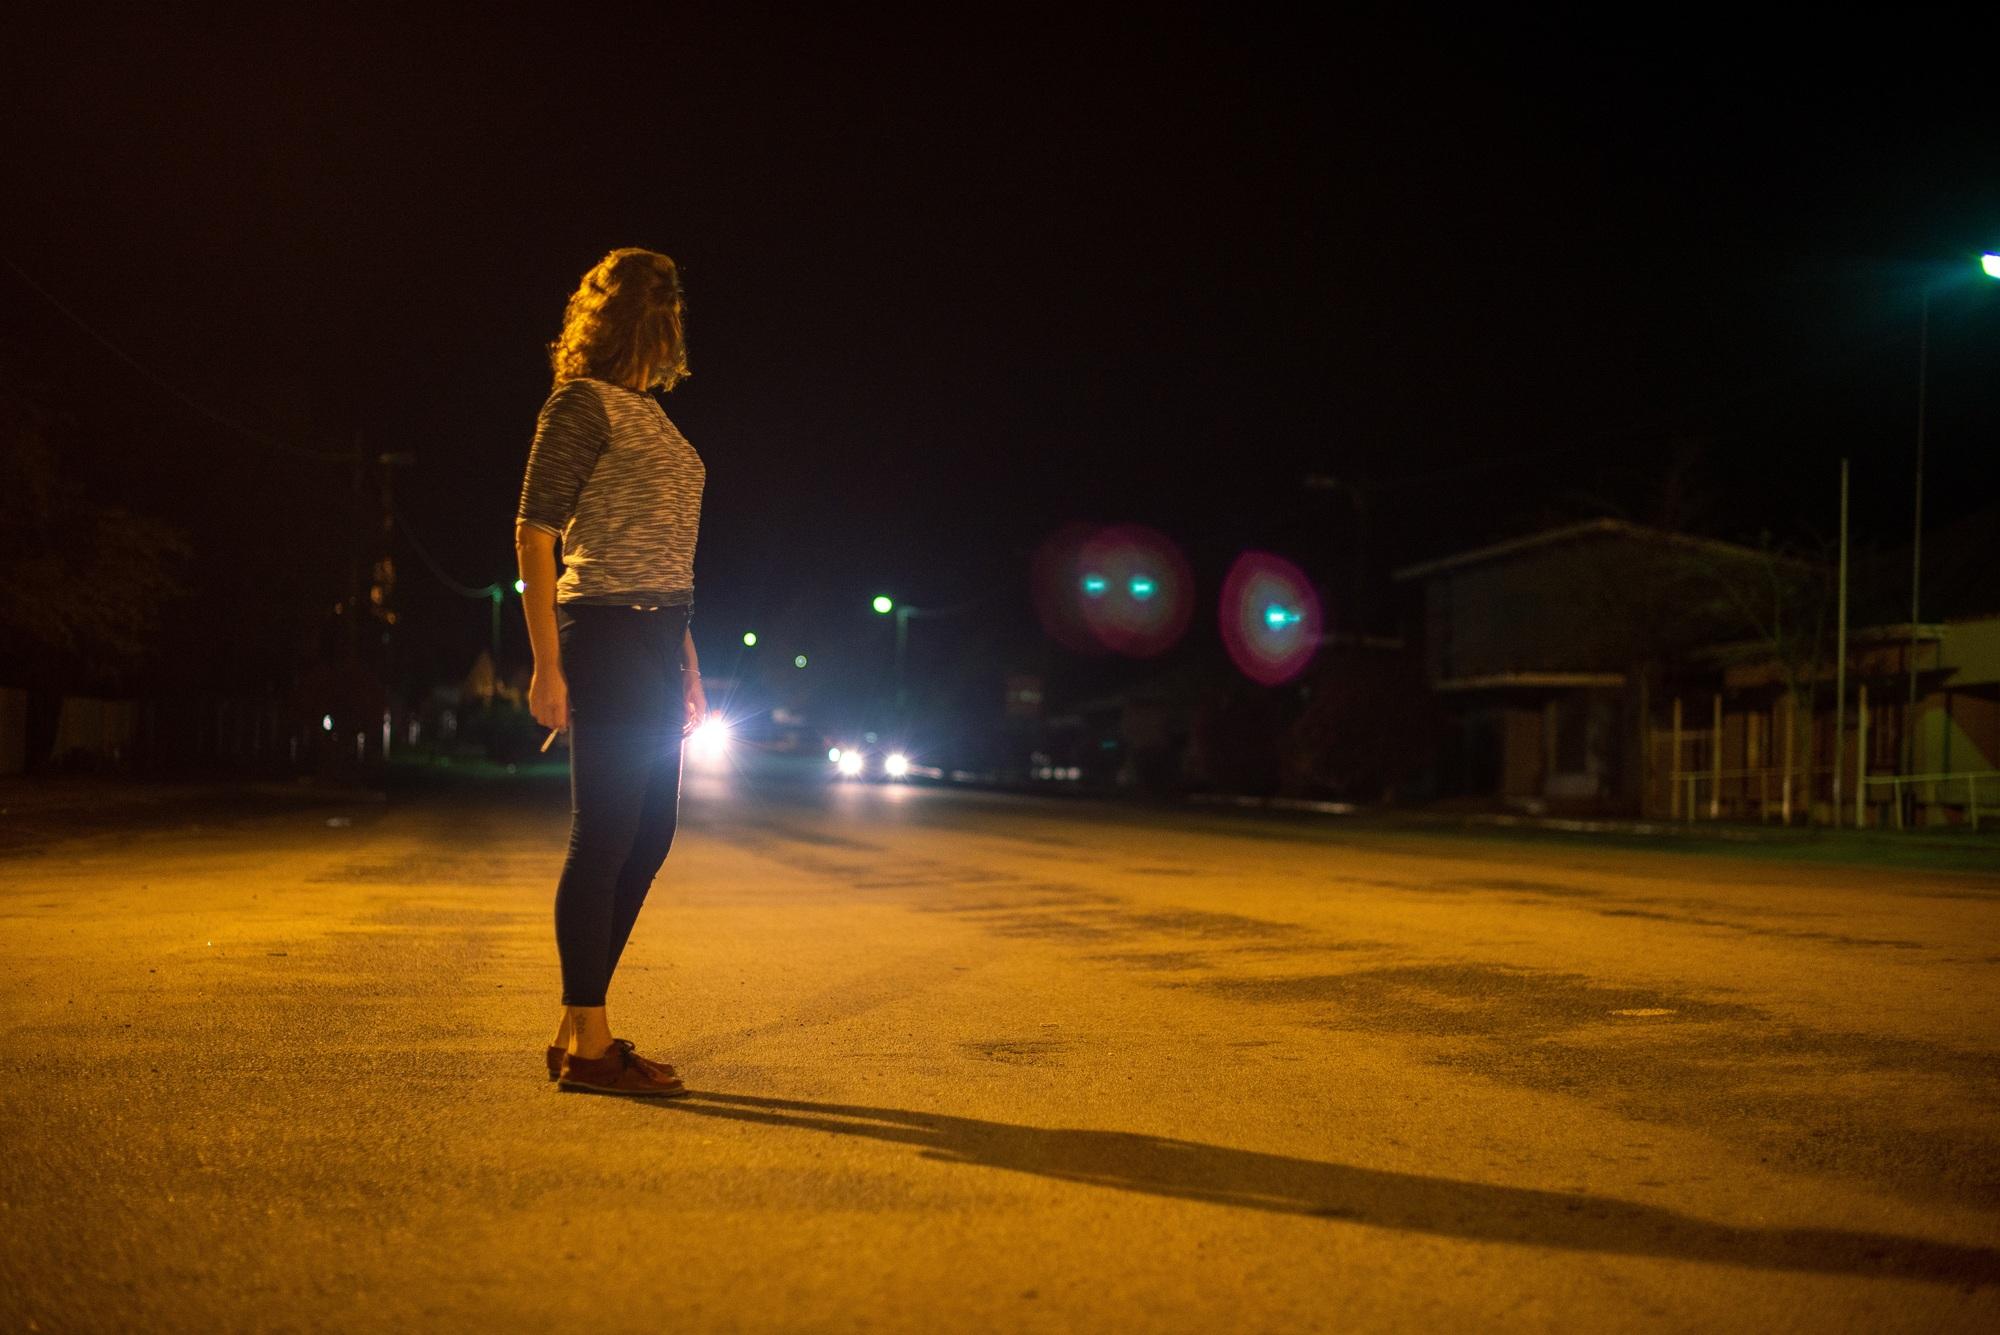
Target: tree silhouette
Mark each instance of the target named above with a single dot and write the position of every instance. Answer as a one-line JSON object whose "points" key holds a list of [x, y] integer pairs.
{"points": [[82, 584]]}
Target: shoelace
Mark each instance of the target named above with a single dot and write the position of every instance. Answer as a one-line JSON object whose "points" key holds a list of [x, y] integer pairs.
{"points": [[626, 1046]]}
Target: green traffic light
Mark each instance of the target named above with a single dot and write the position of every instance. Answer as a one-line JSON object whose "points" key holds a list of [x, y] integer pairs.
{"points": [[520, 586], [799, 661], [1990, 262], [883, 603], [1142, 586], [749, 638]]}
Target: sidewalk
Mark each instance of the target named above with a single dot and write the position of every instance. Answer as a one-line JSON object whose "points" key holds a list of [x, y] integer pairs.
{"points": [[1936, 849]]}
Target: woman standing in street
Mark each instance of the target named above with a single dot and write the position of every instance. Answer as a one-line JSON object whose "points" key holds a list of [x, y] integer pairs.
{"points": [[615, 664]]}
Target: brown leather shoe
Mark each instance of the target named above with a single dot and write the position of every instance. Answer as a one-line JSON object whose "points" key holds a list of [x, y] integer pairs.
{"points": [[660, 1069], [616, 1072]]}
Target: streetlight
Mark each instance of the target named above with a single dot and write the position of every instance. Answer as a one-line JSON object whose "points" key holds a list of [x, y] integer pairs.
{"points": [[884, 604], [1989, 264]]}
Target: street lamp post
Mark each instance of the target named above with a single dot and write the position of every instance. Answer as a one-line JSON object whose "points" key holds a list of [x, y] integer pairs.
{"points": [[885, 605], [1989, 264]]}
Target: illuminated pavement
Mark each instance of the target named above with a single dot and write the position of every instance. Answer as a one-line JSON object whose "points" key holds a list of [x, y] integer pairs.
{"points": [[976, 1062]]}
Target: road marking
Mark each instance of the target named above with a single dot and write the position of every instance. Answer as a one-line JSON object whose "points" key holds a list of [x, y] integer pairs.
{"points": [[1643, 1011]]}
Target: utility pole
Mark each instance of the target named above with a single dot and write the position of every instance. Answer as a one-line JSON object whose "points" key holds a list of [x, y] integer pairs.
{"points": [[356, 550], [382, 585], [1840, 654], [382, 591], [1917, 536], [1359, 497]]}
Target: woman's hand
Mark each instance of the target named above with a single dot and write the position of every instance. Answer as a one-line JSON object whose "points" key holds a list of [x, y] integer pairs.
{"points": [[548, 698], [697, 700], [548, 693]]}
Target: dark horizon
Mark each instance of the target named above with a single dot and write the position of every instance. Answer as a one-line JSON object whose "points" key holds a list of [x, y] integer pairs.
{"points": [[951, 288]]}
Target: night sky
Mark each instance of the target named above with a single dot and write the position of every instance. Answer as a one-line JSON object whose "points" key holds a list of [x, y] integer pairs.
{"points": [[954, 282]]}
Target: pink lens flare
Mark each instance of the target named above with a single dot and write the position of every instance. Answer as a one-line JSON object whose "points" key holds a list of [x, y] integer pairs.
{"points": [[1124, 588], [1270, 618], [1055, 577]]}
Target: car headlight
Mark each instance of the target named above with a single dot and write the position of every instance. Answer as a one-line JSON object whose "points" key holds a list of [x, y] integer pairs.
{"points": [[897, 765], [849, 762], [710, 738]]}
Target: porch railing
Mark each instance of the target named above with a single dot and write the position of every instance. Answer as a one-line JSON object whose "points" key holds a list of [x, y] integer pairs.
{"points": [[1774, 792], [1964, 789], [1766, 792]]}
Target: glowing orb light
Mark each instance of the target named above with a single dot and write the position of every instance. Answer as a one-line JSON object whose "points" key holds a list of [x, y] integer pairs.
{"points": [[709, 741], [896, 765], [1270, 618]]}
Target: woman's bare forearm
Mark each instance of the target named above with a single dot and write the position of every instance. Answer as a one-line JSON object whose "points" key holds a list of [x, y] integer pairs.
{"points": [[688, 659], [535, 553]]}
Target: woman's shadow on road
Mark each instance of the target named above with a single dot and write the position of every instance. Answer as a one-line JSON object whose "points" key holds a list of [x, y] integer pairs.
{"points": [[1380, 1199]]}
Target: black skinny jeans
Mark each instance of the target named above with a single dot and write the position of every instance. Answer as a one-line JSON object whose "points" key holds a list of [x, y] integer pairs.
{"points": [[626, 713]]}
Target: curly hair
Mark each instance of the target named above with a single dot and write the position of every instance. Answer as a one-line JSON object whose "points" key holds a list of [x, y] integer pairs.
{"points": [[623, 324]]}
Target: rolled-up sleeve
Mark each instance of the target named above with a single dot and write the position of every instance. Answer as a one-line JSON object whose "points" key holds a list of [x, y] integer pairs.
{"points": [[569, 436]]}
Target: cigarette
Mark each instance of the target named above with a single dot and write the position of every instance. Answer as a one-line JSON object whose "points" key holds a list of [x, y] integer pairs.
{"points": [[550, 740]]}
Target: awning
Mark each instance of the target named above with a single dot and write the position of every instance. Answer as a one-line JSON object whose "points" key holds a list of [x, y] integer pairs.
{"points": [[1532, 681]]}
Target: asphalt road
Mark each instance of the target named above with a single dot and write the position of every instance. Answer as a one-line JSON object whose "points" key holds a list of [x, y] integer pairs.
{"points": [[977, 1062]]}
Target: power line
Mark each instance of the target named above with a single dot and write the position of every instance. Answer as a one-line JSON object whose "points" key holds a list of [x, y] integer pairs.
{"points": [[1744, 389], [458, 587], [248, 433]]}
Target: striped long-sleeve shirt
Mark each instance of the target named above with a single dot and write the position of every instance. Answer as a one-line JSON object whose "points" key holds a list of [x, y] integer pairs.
{"points": [[616, 479]]}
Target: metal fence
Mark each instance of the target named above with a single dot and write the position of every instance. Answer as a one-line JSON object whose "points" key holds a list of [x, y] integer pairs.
{"points": [[1939, 793], [1774, 793]]}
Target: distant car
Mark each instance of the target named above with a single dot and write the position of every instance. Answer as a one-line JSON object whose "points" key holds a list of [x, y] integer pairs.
{"points": [[709, 744], [871, 762]]}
